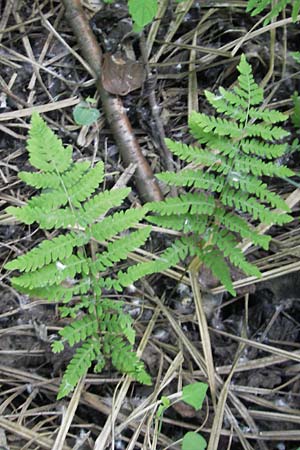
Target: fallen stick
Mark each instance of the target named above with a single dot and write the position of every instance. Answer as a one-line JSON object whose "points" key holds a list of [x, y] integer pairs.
{"points": [[128, 145]]}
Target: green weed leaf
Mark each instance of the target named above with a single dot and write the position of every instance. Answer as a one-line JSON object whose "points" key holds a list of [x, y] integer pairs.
{"points": [[296, 56], [161, 409], [142, 11], [194, 394], [84, 114], [193, 441]]}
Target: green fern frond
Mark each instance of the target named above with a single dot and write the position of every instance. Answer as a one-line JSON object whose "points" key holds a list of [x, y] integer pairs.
{"points": [[53, 273], [264, 150], [193, 178], [79, 330], [186, 223], [189, 153], [213, 259], [242, 202], [116, 223], [126, 361], [61, 268], [70, 216], [119, 250], [197, 203], [46, 151], [216, 125], [59, 248], [257, 6], [233, 222], [257, 188], [52, 180], [78, 366], [227, 244], [245, 165], [227, 169]]}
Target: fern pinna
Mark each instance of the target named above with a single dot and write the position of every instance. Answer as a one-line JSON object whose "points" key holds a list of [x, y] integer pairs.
{"points": [[257, 6], [64, 269], [224, 175]]}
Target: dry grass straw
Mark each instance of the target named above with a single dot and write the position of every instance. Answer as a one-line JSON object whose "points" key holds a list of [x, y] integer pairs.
{"points": [[231, 400]]}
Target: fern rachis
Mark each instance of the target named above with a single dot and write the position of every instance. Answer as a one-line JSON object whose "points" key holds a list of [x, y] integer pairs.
{"points": [[61, 268], [225, 189]]}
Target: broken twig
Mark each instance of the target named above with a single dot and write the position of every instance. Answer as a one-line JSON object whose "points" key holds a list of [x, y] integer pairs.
{"points": [[130, 150]]}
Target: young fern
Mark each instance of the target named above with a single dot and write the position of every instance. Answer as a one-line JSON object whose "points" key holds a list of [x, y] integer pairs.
{"points": [[224, 179], [64, 267]]}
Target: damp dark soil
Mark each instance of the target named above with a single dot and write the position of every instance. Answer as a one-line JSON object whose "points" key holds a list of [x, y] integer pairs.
{"points": [[254, 337]]}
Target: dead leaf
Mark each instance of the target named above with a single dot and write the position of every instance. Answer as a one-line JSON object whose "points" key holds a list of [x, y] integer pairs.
{"points": [[121, 75]]}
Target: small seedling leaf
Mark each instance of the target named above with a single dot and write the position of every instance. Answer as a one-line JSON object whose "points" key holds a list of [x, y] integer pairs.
{"points": [[194, 394], [296, 56], [193, 441], [161, 409], [142, 11], [85, 115]]}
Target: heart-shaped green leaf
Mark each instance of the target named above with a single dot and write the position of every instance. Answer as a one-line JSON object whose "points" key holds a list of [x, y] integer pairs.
{"points": [[194, 394], [85, 115], [193, 441]]}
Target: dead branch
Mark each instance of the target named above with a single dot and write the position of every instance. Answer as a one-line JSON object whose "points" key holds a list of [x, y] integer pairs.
{"points": [[130, 150]]}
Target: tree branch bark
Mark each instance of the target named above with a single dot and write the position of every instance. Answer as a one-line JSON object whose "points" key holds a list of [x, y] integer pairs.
{"points": [[128, 145]]}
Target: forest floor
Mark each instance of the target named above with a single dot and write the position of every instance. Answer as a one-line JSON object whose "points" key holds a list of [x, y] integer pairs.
{"points": [[254, 337]]}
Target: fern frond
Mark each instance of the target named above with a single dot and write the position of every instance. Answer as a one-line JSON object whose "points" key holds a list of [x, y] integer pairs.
{"points": [[59, 293], [191, 154], [52, 180], [234, 148], [114, 224], [258, 188], [243, 202], [69, 216], [233, 222], [53, 273], [178, 251], [80, 363], [60, 269], [79, 330], [268, 116], [66, 192], [119, 250], [256, 167], [125, 360], [185, 203], [46, 151], [262, 149], [86, 186], [101, 203], [59, 248], [213, 259], [227, 243], [186, 223], [247, 87], [217, 125], [257, 6], [193, 178], [264, 131]]}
